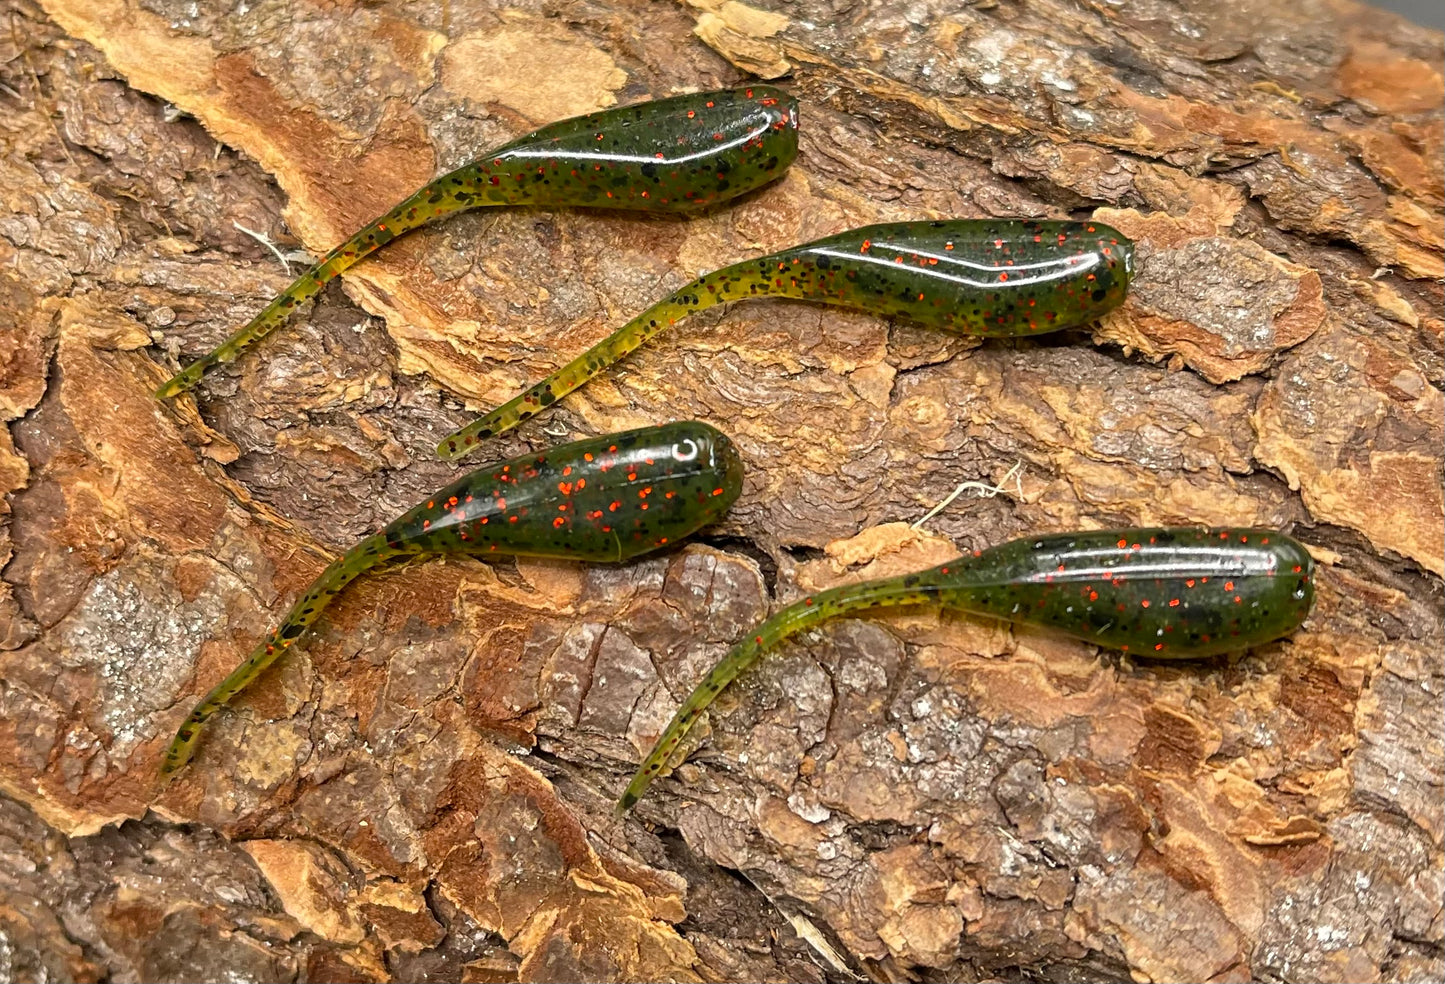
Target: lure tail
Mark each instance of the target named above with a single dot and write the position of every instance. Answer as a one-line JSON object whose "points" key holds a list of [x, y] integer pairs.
{"points": [[369, 553], [717, 287], [802, 615], [453, 192]]}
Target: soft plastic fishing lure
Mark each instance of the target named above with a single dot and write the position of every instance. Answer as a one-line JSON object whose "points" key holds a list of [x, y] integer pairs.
{"points": [[609, 498], [677, 155], [1171, 593], [990, 277]]}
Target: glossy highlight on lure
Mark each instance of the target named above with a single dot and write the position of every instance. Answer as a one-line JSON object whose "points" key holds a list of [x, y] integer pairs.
{"points": [[606, 499], [677, 155], [988, 277], [1163, 592]]}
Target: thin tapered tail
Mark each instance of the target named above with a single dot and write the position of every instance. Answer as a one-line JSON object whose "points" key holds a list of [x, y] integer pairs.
{"points": [[369, 553], [696, 296], [444, 196], [183, 746], [789, 622]]}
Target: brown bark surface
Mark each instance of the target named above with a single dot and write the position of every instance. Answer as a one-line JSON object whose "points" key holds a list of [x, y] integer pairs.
{"points": [[423, 790]]}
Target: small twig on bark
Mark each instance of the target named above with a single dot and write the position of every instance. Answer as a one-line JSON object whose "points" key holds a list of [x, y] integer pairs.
{"points": [[984, 490]]}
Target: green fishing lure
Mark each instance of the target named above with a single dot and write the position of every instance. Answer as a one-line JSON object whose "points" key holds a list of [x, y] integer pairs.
{"points": [[989, 277], [678, 155], [607, 499], [1170, 593]]}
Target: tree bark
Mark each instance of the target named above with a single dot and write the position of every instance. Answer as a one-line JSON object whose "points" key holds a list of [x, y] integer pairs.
{"points": [[423, 790]]}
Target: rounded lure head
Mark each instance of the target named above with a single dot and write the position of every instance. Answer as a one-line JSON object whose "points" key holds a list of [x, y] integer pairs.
{"points": [[1117, 271], [608, 498], [681, 154]]}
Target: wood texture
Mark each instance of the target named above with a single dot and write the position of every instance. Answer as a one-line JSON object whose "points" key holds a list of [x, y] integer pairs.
{"points": [[423, 791]]}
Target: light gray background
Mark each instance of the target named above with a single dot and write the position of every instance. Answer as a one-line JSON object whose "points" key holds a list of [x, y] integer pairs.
{"points": [[1428, 12]]}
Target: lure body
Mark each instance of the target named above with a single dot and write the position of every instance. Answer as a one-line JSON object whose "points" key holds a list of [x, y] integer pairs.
{"points": [[1170, 593], [609, 499], [677, 155], [989, 277]]}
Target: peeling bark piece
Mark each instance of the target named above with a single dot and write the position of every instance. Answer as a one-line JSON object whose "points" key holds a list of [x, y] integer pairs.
{"points": [[1396, 765], [399, 914], [1401, 157], [1166, 932], [16, 628], [1225, 306], [531, 70], [177, 904], [528, 872], [742, 33], [26, 346], [1376, 76], [312, 886], [164, 492], [1356, 429], [921, 922], [1346, 201]]}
